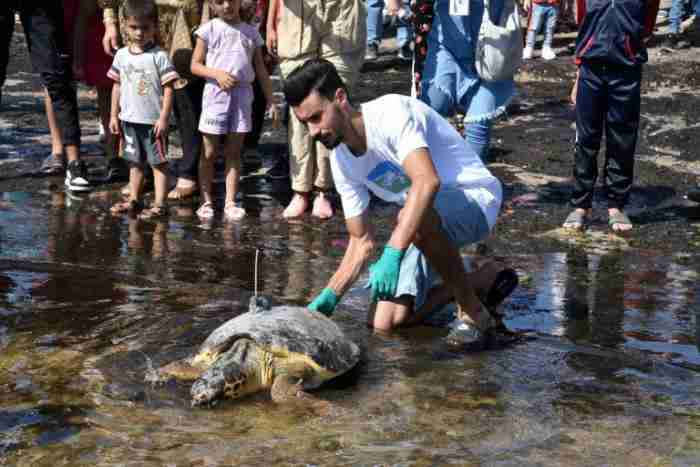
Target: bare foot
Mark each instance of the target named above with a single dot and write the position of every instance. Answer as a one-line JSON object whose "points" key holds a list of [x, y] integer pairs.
{"points": [[297, 207], [618, 220], [322, 207]]}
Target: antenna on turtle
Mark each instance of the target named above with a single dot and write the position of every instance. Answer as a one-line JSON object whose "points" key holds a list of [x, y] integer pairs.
{"points": [[255, 273]]}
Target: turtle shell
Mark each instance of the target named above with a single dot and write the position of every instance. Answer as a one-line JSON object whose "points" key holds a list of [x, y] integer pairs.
{"points": [[289, 330]]}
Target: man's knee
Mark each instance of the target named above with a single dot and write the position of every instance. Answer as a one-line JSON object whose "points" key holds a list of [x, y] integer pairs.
{"points": [[387, 315]]}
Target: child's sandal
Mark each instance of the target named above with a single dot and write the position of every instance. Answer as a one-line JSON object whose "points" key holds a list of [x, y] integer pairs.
{"points": [[206, 211], [233, 212], [154, 212]]}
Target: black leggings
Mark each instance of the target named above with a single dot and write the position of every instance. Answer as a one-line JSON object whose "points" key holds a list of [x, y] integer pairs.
{"points": [[43, 28], [188, 108]]}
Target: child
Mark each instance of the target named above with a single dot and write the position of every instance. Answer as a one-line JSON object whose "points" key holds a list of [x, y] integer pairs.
{"points": [[541, 12], [610, 52], [228, 54], [143, 77]]}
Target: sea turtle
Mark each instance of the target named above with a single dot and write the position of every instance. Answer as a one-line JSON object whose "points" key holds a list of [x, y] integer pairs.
{"points": [[283, 349]]}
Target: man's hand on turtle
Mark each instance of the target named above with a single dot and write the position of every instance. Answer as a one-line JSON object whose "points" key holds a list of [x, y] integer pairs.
{"points": [[384, 274], [325, 302]]}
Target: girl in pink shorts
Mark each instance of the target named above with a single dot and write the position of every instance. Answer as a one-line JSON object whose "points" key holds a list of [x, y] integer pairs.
{"points": [[228, 54]]}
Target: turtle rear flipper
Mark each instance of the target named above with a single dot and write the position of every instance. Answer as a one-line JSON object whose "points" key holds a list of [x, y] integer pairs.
{"points": [[288, 390]]}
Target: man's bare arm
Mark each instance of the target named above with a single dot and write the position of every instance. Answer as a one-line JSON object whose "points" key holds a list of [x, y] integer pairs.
{"points": [[356, 255]]}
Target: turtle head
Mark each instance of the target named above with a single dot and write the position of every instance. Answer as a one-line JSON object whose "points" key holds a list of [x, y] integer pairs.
{"points": [[258, 303], [231, 376]]}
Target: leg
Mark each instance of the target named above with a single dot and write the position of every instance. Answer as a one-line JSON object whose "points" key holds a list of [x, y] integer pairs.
{"points": [[675, 16], [300, 158], [375, 22], [483, 104], [536, 20], [206, 167], [550, 26], [43, 26], [187, 108], [104, 102], [232, 149], [389, 314], [591, 104], [259, 107], [621, 129], [404, 30], [56, 140], [160, 182], [478, 137]]}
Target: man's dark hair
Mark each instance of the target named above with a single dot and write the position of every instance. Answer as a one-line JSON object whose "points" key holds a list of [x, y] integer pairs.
{"points": [[140, 9], [314, 75]]}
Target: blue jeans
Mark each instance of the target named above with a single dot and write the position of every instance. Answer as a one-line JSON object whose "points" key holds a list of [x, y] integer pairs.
{"points": [[542, 14], [375, 24], [678, 9], [450, 78]]}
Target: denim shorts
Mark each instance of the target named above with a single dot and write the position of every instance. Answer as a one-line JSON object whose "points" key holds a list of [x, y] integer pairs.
{"points": [[464, 223], [141, 145]]}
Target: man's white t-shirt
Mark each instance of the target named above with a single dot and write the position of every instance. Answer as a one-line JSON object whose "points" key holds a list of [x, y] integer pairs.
{"points": [[395, 126]]}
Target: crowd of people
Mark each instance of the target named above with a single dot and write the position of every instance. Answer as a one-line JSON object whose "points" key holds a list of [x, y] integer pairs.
{"points": [[208, 63]]}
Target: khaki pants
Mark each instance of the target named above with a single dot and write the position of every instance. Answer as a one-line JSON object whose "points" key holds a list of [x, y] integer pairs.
{"points": [[334, 30]]}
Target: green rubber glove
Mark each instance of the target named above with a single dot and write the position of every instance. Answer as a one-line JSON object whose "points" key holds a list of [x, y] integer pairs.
{"points": [[384, 274], [325, 302]]}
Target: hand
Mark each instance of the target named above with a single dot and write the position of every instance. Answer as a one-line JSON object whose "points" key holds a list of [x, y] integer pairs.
{"points": [[393, 7], [325, 302], [574, 89], [225, 80], [114, 126], [527, 5], [160, 128], [110, 41], [271, 42], [384, 274]]}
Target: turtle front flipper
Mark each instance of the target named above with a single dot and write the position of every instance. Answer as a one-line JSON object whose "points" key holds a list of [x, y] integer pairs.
{"points": [[288, 389], [180, 370]]}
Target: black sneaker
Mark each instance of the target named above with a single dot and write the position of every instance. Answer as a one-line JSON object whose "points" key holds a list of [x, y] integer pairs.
{"points": [[372, 52], [76, 176], [53, 165], [280, 170], [117, 170], [694, 194], [405, 53]]}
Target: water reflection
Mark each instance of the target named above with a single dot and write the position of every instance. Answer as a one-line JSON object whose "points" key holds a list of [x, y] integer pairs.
{"points": [[88, 301]]}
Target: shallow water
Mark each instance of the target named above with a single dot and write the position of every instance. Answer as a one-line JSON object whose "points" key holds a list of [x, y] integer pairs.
{"points": [[90, 303]]}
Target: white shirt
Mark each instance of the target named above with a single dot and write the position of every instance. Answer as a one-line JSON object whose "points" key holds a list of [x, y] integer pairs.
{"points": [[395, 126]]}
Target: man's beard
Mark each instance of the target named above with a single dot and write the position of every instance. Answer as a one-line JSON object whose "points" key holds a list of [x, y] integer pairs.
{"points": [[328, 141]]}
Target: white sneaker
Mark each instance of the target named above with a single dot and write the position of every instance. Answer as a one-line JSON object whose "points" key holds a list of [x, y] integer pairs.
{"points": [[548, 53], [527, 53]]}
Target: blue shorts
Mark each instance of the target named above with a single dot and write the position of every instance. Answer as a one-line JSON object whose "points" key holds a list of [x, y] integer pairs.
{"points": [[464, 223], [141, 145]]}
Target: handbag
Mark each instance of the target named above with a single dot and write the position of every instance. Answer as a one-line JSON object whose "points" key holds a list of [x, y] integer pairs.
{"points": [[499, 48]]}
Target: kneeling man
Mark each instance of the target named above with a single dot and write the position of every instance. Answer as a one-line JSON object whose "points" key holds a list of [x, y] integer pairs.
{"points": [[406, 153]]}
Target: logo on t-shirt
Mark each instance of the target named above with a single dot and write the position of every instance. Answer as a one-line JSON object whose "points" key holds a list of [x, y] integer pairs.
{"points": [[389, 177]]}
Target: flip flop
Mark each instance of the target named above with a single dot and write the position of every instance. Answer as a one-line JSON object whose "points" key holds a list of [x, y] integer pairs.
{"points": [[576, 220], [620, 218]]}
